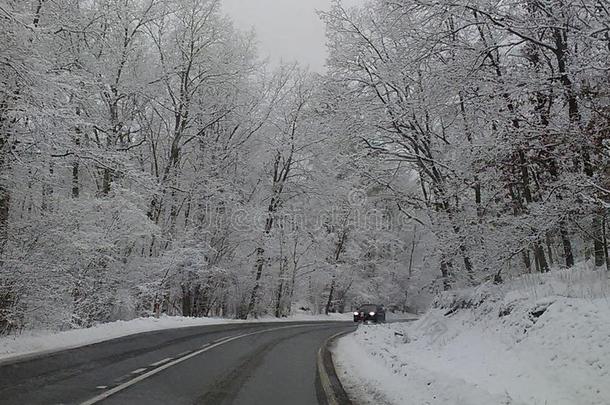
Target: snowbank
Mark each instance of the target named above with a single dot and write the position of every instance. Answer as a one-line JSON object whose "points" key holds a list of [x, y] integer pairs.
{"points": [[541, 339], [31, 343]]}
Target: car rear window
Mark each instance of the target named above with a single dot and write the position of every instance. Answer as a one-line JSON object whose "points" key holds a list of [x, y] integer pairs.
{"points": [[368, 308]]}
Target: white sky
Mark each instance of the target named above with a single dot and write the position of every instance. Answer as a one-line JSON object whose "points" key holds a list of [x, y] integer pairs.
{"points": [[287, 30]]}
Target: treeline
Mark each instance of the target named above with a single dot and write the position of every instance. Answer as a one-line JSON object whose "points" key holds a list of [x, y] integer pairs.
{"points": [[499, 111], [152, 164]]}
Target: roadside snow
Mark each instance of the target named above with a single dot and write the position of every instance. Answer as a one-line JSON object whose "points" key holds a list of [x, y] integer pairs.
{"points": [[29, 343], [301, 317], [539, 340], [40, 342]]}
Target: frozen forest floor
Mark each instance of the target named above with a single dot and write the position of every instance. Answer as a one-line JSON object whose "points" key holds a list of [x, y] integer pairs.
{"points": [[537, 340], [43, 341]]}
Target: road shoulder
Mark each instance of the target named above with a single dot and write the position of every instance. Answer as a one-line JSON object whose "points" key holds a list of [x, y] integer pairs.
{"points": [[331, 391]]}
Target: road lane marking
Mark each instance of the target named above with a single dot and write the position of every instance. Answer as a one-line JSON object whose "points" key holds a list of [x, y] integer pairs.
{"points": [[327, 385], [138, 371], [179, 360], [158, 363], [101, 387]]}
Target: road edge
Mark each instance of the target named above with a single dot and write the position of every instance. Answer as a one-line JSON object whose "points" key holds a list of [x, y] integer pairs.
{"points": [[332, 388]]}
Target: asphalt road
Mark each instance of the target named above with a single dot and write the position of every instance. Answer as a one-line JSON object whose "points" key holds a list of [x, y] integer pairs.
{"points": [[241, 364]]}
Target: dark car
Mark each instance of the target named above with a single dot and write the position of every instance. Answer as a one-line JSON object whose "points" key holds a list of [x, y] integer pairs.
{"points": [[370, 313]]}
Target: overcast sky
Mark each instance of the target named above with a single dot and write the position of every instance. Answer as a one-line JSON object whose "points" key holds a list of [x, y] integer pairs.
{"points": [[286, 29]]}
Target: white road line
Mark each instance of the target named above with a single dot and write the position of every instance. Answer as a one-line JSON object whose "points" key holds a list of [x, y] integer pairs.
{"points": [[157, 370], [138, 371], [158, 363], [101, 387], [327, 386]]}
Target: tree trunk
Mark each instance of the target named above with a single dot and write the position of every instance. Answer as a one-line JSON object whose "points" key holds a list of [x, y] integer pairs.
{"points": [[525, 254], [75, 182], [540, 259], [467, 264], [330, 296], [75, 162], [605, 239], [567, 245], [5, 200], [280, 173], [106, 181], [413, 245], [187, 301], [280, 289], [36, 20], [525, 177], [293, 279], [260, 263], [549, 244], [445, 273], [598, 242], [278, 302], [5, 195]]}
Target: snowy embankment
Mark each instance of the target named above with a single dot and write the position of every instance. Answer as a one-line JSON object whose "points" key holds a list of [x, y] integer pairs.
{"points": [[537, 340], [39, 342]]}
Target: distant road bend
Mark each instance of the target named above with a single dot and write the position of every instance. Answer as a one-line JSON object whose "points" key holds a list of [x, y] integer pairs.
{"points": [[241, 364]]}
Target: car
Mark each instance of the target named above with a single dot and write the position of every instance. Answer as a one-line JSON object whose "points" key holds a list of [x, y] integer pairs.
{"points": [[370, 313]]}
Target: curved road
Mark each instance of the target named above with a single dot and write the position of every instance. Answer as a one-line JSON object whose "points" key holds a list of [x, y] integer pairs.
{"points": [[241, 364]]}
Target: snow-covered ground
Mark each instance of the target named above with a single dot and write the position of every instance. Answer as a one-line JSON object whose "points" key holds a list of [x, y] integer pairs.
{"points": [[38, 342], [537, 340]]}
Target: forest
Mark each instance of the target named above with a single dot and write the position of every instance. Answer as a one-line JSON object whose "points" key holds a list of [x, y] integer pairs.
{"points": [[152, 163]]}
